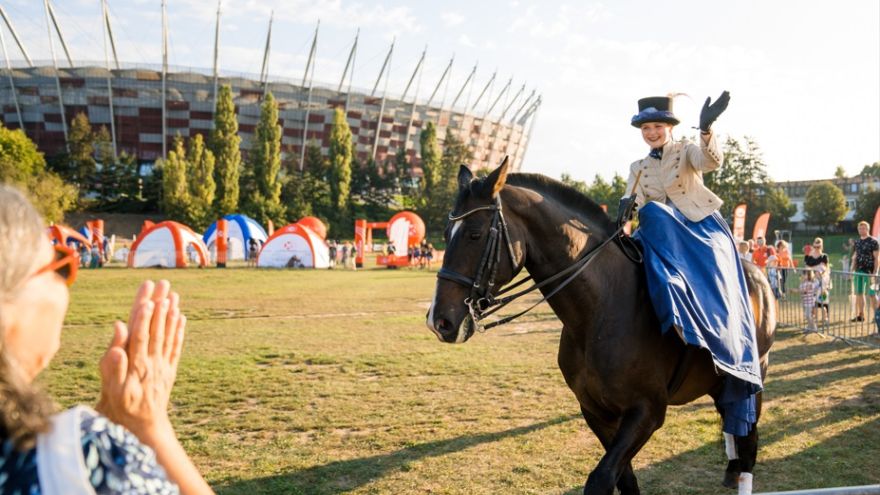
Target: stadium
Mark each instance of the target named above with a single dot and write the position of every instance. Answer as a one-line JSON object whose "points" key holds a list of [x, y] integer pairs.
{"points": [[42, 97]]}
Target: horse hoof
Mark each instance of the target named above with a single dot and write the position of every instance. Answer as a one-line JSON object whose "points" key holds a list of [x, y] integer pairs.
{"points": [[731, 480]]}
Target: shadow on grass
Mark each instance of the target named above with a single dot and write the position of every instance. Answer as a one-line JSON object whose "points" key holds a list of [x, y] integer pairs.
{"points": [[846, 459], [342, 476]]}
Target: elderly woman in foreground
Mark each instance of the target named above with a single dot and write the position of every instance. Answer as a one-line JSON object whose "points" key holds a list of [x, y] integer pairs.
{"points": [[128, 445]]}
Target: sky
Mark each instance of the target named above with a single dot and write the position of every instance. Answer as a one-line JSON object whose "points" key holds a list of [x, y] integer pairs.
{"points": [[804, 76]]}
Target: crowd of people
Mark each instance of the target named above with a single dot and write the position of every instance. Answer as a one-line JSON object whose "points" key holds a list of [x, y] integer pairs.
{"points": [[859, 264]]}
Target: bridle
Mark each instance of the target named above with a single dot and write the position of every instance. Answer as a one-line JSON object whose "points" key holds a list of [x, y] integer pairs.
{"points": [[481, 302]]}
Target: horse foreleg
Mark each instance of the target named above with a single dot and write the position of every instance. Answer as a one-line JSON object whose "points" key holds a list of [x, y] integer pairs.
{"points": [[742, 454], [747, 448], [636, 427], [605, 431]]}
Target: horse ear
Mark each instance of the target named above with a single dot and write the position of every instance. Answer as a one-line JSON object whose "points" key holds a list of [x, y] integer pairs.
{"points": [[464, 177], [498, 177]]}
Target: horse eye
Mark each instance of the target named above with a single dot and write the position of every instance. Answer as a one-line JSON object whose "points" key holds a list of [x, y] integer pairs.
{"points": [[475, 235]]}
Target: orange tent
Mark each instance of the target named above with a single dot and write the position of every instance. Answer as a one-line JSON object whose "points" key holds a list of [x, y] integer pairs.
{"points": [[62, 234]]}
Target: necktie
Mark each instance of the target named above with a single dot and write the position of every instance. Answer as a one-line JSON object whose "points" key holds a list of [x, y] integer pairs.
{"points": [[656, 153]]}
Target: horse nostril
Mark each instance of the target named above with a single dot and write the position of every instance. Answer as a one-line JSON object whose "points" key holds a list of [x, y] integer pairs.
{"points": [[442, 324]]}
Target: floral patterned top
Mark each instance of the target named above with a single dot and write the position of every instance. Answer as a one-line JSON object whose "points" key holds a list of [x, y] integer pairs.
{"points": [[116, 461]]}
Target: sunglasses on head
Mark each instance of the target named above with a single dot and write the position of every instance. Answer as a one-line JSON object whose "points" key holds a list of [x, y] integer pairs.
{"points": [[65, 264]]}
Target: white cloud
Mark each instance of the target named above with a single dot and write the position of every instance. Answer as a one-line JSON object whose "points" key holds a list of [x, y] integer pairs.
{"points": [[466, 40], [451, 19]]}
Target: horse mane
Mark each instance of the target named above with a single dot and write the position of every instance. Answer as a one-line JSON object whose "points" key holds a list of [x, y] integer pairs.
{"points": [[573, 199]]}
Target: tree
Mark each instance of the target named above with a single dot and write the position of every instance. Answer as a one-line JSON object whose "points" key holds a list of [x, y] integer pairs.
{"points": [[107, 178], [404, 183], [872, 170], [824, 204], [263, 200], [866, 206], [339, 156], [430, 152], [224, 144], [22, 165], [743, 178], [440, 176], [200, 165], [81, 143], [307, 192], [840, 172], [175, 193]]}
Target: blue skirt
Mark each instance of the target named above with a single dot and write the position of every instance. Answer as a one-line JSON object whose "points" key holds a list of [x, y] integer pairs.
{"points": [[697, 285]]}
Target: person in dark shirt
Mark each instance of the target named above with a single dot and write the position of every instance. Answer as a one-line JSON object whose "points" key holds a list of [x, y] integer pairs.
{"points": [[865, 265]]}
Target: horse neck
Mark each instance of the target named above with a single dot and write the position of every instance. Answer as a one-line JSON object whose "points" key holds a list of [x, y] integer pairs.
{"points": [[554, 238]]}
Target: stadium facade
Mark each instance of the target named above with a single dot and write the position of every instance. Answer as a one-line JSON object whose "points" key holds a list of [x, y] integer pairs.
{"points": [[43, 98]]}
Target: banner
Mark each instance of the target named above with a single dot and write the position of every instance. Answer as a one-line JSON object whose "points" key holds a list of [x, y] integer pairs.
{"points": [[739, 222], [761, 226], [875, 227], [360, 239]]}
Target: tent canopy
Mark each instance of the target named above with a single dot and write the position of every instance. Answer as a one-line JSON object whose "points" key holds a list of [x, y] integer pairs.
{"points": [[167, 244], [63, 234], [241, 229], [294, 246]]}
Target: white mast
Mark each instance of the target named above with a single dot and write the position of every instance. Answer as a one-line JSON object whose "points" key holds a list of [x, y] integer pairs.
{"points": [[57, 78], [107, 32], [11, 81], [309, 65], [164, 78], [216, 57]]}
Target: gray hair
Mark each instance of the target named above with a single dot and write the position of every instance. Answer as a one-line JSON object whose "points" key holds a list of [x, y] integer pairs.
{"points": [[24, 410]]}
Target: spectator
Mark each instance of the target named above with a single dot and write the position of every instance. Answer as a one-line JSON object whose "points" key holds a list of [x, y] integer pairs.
{"points": [[815, 256], [81, 450], [96, 256], [345, 252], [847, 251], [743, 249], [429, 254], [761, 253], [864, 261], [773, 276], [85, 256], [332, 254], [784, 263], [808, 290]]}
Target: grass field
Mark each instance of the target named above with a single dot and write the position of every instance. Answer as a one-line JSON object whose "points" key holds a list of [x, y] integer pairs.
{"points": [[328, 382]]}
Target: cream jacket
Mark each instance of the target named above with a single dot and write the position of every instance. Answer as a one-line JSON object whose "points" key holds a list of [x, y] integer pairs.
{"points": [[678, 177]]}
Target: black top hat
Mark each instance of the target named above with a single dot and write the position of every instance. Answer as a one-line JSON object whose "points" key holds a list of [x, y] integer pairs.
{"points": [[654, 109]]}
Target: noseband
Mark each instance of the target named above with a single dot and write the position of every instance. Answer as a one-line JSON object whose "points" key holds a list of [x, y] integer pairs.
{"points": [[481, 302]]}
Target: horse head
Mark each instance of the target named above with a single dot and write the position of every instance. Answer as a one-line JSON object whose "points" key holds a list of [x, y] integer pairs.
{"points": [[480, 256]]}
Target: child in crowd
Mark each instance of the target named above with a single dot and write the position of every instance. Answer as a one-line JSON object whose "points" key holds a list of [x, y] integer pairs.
{"points": [[823, 282], [773, 275], [809, 288]]}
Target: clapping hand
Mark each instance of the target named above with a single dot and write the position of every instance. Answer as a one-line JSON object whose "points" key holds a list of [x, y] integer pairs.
{"points": [[140, 366], [711, 111]]}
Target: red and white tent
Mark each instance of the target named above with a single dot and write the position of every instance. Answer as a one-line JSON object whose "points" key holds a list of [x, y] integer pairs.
{"points": [[294, 246], [167, 244]]}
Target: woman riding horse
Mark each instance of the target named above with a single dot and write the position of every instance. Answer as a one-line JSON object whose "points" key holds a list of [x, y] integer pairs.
{"points": [[695, 278]]}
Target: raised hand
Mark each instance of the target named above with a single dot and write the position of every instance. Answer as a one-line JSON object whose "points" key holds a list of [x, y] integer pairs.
{"points": [[140, 366], [711, 111]]}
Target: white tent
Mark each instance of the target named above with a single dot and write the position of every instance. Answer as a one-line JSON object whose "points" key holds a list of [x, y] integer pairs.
{"points": [[294, 246], [241, 229], [167, 244]]}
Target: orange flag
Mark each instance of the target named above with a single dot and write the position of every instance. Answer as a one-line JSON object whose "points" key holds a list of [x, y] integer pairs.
{"points": [[761, 226]]}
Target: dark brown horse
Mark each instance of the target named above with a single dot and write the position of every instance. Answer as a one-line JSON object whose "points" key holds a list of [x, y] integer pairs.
{"points": [[623, 370]]}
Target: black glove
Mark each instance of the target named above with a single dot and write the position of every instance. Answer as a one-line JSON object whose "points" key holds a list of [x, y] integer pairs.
{"points": [[711, 112], [625, 210]]}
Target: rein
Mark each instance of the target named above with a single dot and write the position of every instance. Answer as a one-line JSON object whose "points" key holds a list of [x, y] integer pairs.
{"points": [[481, 302]]}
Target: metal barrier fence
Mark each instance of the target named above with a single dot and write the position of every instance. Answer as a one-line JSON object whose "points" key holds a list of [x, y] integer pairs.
{"points": [[833, 308], [848, 490]]}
